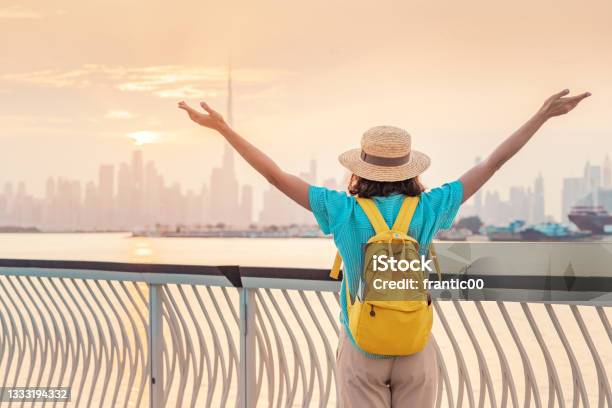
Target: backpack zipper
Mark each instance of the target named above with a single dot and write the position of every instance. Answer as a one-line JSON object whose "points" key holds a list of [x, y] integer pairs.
{"points": [[372, 312]]}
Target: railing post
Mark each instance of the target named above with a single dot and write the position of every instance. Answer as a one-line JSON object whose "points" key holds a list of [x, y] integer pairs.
{"points": [[246, 380], [156, 397]]}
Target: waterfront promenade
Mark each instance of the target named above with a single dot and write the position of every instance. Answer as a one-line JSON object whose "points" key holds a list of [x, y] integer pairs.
{"points": [[125, 334]]}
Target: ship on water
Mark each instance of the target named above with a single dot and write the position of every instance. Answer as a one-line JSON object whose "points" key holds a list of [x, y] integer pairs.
{"points": [[511, 232], [518, 230], [551, 231], [454, 234], [595, 219], [296, 231]]}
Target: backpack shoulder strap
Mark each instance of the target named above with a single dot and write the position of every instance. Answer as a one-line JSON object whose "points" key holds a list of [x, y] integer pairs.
{"points": [[378, 223], [335, 270], [402, 222], [371, 211], [434, 257]]}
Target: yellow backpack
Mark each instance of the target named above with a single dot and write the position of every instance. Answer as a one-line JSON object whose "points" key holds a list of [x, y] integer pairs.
{"points": [[380, 325]]}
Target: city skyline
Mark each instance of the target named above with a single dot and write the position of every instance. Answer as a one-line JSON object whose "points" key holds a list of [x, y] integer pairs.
{"points": [[136, 195], [523, 203]]}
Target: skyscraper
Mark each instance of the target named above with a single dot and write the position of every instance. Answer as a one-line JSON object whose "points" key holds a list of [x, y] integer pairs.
{"points": [[89, 218], [50, 207], [520, 203], [537, 214], [106, 193], [574, 188], [223, 199], [592, 175], [124, 196], [246, 205]]}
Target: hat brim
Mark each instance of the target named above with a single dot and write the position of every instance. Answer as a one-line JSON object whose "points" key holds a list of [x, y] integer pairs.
{"points": [[417, 164]]}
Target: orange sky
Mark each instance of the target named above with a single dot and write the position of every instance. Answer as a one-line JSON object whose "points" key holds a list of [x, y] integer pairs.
{"points": [[78, 78]]}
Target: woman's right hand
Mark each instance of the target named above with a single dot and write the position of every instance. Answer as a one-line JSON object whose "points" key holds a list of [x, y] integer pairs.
{"points": [[209, 118]]}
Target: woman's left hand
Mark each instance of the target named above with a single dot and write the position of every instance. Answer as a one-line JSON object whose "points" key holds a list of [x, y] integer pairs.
{"points": [[560, 104]]}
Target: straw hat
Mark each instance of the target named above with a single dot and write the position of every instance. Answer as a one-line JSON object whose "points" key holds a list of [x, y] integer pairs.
{"points": [[385, 155]]}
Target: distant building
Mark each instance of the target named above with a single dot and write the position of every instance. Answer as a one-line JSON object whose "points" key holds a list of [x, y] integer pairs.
{"points": [[124, 196], [223, 202], [246, 206], [521, 203], [90, 209], [607, 173], [223, 198], [537, 203], [592, 176], [277, 209], [524, 204], [106, 196], [576, 189], [602, 197]]}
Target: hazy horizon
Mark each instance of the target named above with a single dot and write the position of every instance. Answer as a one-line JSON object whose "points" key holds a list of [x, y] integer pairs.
{"points": [[79, 80]]}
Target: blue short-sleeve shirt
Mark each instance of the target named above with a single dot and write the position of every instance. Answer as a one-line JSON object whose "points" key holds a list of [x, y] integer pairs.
{"points": [[338, 213]]}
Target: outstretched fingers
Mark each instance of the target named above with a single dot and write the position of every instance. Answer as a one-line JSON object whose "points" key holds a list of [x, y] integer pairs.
{"points": [[570, 103], [578, 98], [559, 94], [207, 108], [213, 113], [183, 105], [204, 105]]}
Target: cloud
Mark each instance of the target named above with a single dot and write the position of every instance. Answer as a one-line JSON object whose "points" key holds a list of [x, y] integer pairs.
{"points": [[118, 114], [185, 92], [19, 13], [143, 137], [163, 81], [34, 119], [49, 78]]}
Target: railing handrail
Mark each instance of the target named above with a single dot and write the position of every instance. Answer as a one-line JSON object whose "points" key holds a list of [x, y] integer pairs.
{"points": [[111, 266], [527, 281], [546, 288]]}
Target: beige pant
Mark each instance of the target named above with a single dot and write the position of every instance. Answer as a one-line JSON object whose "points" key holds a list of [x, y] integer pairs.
{"points": [[408, 381]]}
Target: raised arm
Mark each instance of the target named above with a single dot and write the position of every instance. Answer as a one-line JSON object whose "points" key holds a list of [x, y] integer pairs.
{"points": [[292, 186], [556, 105]]}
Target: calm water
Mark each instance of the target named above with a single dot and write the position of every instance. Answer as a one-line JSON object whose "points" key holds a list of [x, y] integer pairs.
{"points": [[121, 247], [316, 253]]}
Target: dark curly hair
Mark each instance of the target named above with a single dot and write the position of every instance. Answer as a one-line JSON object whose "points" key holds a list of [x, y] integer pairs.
{"points": [[361, 187]]}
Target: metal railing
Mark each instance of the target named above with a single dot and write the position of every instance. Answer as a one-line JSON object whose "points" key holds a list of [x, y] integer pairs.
{"points": [[184, 336]]}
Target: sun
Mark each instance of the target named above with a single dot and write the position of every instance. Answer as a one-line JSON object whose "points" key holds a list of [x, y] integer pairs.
{"points": [[143, 137]]}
